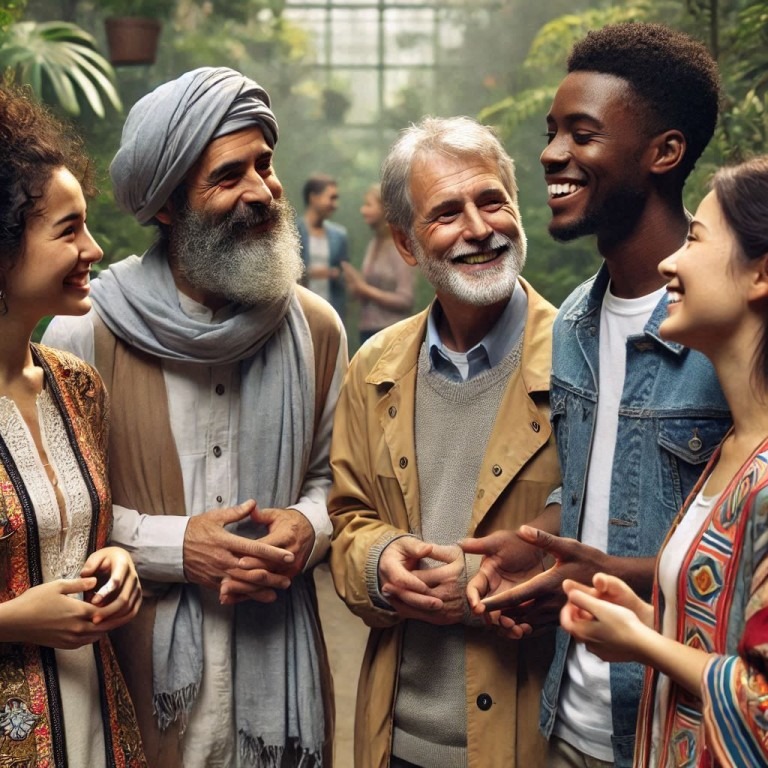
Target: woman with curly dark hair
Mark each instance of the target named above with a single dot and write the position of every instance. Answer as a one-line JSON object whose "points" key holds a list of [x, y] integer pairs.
{"points": [[62, 698]]}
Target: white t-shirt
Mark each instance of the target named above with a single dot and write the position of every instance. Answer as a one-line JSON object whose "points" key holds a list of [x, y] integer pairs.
{"points": [[587, 678], [319, 256]]}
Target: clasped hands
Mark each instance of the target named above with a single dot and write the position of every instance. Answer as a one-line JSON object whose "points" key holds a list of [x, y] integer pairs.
{"points": [[48, 615], [240, 568], [418, 589]]}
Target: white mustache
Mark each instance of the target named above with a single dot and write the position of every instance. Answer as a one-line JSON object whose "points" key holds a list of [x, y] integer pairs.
{"points": [[496, 242]]}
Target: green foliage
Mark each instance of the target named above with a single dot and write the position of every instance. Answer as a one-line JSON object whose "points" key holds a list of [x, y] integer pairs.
{"points": [[61, 63], [154, 9], [9, 12], [546, 61], [743, 129]]}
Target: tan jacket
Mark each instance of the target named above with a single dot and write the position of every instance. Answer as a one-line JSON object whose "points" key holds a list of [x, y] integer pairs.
{"points": [[376, 492]]}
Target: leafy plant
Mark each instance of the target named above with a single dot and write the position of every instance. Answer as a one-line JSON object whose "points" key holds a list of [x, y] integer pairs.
{"points": [[61, 60]]}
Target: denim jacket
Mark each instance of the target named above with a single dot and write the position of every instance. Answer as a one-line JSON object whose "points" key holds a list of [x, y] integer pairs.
{"points": [[672, 416]]}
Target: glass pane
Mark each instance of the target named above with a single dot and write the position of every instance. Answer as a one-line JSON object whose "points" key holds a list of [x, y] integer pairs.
{"points": [[363, 90], [313, 21], [355, 36], [408, 36]]}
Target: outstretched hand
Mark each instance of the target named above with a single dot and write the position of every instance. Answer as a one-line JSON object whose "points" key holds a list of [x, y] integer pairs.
{"points": [[534, 604], [507, 561]]}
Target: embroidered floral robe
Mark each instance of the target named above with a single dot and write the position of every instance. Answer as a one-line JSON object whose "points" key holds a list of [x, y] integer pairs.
{"points": [[31, 720], [723, 610]]}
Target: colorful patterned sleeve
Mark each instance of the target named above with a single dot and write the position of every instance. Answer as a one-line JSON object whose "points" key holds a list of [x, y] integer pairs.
{"points": [[735, 687]]}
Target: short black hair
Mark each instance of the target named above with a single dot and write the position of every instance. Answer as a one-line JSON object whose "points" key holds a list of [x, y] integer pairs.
{"points": [[673, 74], [316, 184]]}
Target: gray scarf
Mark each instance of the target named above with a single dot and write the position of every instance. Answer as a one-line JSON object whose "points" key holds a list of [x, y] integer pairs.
{"points": [[278, 697]]}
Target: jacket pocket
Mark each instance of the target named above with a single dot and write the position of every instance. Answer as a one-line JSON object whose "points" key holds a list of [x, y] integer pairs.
{"points": [[687, 445]]}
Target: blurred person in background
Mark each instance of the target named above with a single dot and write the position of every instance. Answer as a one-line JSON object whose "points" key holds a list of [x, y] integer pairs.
{"points": [[323, 242], [384, 283]]}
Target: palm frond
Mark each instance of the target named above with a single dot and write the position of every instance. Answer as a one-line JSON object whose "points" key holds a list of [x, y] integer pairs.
{"points": [[63, 57]]}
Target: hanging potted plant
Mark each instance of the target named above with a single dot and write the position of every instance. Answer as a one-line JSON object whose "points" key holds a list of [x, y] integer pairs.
{"points": [[133, 29]]}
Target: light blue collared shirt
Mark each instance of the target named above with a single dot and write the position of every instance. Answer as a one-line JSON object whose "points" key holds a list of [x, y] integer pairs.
{"points": [[488, 352]]}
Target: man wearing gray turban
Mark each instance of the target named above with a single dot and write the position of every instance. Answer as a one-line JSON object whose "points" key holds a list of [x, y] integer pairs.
{"points": [[223, 375]]}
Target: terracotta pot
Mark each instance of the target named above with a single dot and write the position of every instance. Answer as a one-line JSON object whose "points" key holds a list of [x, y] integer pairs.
{"points": [[132, 39]]}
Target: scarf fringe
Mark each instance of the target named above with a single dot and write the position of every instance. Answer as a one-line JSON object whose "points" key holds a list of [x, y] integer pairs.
{"points": [[256, 754], [170, 707]]}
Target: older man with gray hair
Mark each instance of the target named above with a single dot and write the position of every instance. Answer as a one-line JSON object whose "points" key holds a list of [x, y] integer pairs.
{"points": [[442, 431], [223, 375]]}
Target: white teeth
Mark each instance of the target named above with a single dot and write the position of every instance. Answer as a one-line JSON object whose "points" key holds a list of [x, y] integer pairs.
{"points": [[674, 297], [478, 258], [559, 190]]}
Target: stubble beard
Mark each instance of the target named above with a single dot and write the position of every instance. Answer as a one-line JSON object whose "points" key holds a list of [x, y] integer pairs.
{"points": [[612, 220], [484, 288], [224, 256]]}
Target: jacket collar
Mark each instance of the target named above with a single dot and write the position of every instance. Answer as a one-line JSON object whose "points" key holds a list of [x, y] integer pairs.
{"points": [[592, 300], [401, 355]]}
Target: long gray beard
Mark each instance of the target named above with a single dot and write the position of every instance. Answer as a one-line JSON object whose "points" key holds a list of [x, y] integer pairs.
{"points": [[222, 256]]}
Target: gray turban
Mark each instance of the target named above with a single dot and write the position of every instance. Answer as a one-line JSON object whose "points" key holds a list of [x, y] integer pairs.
{"points": [[167, 131]]}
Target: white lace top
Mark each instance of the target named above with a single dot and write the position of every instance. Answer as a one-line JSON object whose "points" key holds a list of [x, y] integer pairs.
{"points": [[62, 554]]}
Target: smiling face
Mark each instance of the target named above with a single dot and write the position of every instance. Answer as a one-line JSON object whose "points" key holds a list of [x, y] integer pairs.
{"points": [[466, 235], [235, 171], [52, 275], [235, 238], [709, 283], [595, 159]]}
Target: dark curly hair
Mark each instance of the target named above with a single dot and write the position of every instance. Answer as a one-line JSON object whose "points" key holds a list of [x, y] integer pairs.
{"points": [[674, 76], [33, 144]]}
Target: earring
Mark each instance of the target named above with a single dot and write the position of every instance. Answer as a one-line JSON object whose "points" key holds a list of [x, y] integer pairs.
{"points": [[3, 303]]}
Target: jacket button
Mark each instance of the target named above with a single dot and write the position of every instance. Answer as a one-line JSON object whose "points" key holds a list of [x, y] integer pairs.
{"points": [[695, 443], [535, 426], [574, 499], [216, 451], [496, 469], [403, 462], [392, 411], [220, 389], [484, 702]]}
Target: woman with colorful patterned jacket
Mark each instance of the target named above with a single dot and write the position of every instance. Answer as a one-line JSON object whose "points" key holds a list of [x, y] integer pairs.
{"points": [[62, 698], [705, 637]]}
